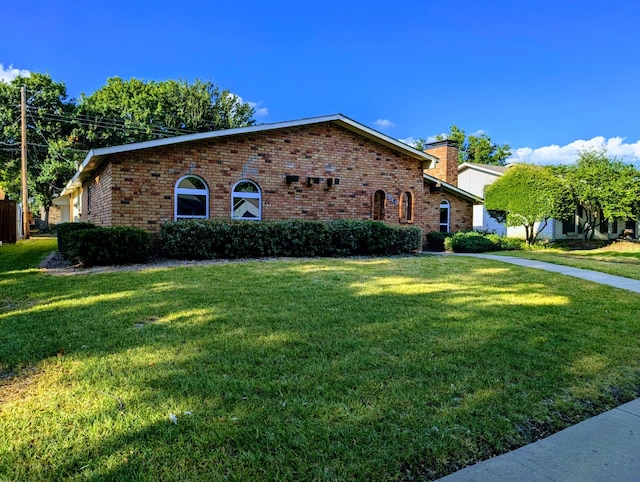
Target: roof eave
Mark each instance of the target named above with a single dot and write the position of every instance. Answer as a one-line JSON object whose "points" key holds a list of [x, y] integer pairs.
{"points": [[454, 189], [467, 165], [95, 156]]}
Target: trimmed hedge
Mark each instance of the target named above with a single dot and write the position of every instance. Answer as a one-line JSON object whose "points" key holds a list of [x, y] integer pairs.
{"points": [[478, 242], [470, 242], [436, 240], [63, 230], [211, 239], [99, 246]]}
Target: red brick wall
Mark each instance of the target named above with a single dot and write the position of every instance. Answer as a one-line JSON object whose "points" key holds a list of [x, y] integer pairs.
{"points": [[460, 214], [447, 167], [139, 185], [98, 210]]}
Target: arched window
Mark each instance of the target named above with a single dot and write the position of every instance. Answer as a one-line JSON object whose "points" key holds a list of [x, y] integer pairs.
{"points": [[445, 216], [378, 205], [191, 198], [406, 207], [246, 201]]}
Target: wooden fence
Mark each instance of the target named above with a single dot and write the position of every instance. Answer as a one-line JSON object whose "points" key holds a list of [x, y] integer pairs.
{"points": [[8, 221]]}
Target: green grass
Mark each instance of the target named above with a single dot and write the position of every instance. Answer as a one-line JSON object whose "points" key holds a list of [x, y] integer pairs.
{"points": [[325, 369], [620, 259]]}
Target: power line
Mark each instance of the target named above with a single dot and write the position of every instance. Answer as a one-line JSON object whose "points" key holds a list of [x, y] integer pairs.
{"points": [[96, 122]]}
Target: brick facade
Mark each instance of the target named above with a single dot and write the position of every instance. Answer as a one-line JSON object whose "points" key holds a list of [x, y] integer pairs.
{"points": [[447, 168], [137, 188]]}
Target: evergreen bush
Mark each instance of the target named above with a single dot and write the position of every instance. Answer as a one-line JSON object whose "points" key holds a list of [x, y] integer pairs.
{"points": [[470, 242], [436, 240], [211, 239], [63, 230], [106, 246]]}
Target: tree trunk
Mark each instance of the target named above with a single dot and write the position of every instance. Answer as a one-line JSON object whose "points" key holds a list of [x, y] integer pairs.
{"points": [[46, 218]]}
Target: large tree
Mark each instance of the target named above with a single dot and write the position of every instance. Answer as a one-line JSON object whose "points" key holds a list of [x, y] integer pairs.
{"points": [[51, 159], [605, 187], [528, 195], [125, 111], [474, 148], [60, 130]]}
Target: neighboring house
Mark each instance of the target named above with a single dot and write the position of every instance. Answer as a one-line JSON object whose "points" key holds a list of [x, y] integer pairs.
{"points": [[58, 212], [321, 168], [474, 177]]}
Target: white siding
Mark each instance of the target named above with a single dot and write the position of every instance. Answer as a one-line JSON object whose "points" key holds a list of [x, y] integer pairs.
{"points": [[474, 181]]}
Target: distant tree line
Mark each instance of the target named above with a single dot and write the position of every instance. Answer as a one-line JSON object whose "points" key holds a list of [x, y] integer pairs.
{"points": [[60, 130]]}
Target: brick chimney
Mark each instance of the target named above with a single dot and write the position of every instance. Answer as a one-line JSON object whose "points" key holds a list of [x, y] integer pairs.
{"points": [[447, 167]]}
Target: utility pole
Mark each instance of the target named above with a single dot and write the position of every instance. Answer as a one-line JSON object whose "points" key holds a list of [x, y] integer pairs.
{"points": [[25, 192]]}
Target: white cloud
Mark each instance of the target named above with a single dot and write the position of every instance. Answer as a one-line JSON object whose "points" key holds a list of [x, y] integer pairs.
{"points": [[409, 140], [260, 111], [11, 73], [554, 154], [412, 140], [384, 123]]}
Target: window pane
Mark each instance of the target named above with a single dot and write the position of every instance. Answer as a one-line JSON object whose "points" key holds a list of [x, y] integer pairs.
{"points": [[444, 215], [246, 208], [192, 183], [569, 225], [192, 205], [246, 186]]}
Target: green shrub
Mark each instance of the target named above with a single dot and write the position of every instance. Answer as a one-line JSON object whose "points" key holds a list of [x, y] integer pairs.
{"points": [[507, 244], [63, 230], [105, 246], [470, 242], [436, 240], [401, 239], [204, 239]]}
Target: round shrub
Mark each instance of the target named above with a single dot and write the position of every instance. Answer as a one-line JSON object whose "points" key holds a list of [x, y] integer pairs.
{"points": [[470, 242]]}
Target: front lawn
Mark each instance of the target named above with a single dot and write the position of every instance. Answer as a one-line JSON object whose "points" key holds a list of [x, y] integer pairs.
{"points": [[326, 369], [620, 258]]}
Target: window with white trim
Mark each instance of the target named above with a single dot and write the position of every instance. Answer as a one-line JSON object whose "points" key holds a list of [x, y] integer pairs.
{"points": [[246, 201], [445, 216], [191, 198]]}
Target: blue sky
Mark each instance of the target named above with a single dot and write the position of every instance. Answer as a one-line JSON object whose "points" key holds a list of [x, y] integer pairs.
{"points": [[546, 77]]}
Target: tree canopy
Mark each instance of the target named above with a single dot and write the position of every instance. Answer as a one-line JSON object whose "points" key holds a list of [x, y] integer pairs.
{"points": [[60, 130], [51, 156], [526, 195], [605, 187], [474, 148], [126, 111]]}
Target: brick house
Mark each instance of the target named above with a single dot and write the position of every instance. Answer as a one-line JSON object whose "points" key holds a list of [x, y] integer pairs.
{"points": [[321, 168]]}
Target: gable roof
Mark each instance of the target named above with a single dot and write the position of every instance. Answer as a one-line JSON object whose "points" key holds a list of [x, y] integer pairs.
{"points": [[453, 189], [486, 168], [95, 156]]}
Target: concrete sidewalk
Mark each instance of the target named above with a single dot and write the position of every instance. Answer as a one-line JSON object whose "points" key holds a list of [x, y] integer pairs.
{"points": [[602, 448], [594, 276]]}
